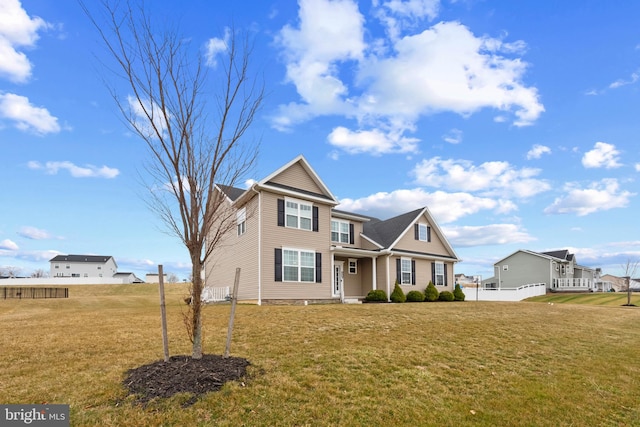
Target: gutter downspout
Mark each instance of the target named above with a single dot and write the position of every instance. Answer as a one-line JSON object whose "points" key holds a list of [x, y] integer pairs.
{"points": [[253, 188]]}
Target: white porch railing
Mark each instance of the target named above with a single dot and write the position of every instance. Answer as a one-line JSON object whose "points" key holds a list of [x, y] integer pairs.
{"points": [[216, 294], [517, 294], [572, 284]]}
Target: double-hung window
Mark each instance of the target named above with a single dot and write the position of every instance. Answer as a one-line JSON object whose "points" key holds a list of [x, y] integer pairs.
{"points": [[298, 265], [439, 274], [339, 231], [424, 232], [241, 221], [405, 268], [298, 214]]}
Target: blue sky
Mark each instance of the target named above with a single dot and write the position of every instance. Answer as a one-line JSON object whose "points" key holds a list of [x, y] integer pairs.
{"points": [[516, 123]]}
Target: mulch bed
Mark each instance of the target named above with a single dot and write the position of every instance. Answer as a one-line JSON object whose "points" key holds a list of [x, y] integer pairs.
{"points": [[183, 374]]}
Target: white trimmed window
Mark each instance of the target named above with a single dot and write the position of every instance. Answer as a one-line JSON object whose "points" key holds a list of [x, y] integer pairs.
{"points": [[424, 233], [339, 231], [405, 271], [298, 214], [298, 265], [353, 266], [241, 221], [439, 274]]}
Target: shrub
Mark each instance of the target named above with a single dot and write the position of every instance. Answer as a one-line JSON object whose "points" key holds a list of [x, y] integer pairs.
{"points": [[431, 293], [376, 295], [446, 296], [415, 296], [398, 294], [458, 295]]}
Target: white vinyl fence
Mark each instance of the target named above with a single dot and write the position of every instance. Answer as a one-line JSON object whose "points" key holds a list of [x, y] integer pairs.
{"points": [[210, 294], [517, 294]]}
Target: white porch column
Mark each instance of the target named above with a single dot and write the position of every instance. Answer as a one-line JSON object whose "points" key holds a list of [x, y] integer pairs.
{"points": [[374, 264], [388, 279]]}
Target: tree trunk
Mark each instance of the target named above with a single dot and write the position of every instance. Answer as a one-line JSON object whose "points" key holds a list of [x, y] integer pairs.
{"points": [[196, 306]]}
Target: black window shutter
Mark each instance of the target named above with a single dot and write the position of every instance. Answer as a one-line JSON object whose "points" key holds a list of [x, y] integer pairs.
{"points": [[413, 272], [315, 219], [351, 234], [428, 233], [278, 265], [445, 274], [398, 271], [433, 272], [416, 231], [318, 267], [280, 212]]}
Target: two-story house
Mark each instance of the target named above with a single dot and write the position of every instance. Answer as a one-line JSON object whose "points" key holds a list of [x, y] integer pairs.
{"points": [[82, 266], [559, 270], [293, 245]]}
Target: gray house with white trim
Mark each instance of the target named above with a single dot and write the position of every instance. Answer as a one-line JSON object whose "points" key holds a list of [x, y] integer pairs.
{"points": [[559, 270]]}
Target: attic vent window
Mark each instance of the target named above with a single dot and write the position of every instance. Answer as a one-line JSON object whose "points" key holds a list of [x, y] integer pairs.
{"points": [[505, 268]]}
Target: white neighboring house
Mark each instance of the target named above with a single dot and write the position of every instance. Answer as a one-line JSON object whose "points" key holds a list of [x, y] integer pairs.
{"points": [[154, 278], [82, 266]]}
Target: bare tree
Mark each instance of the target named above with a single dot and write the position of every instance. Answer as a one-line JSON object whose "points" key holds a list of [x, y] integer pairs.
{"points": [[193, 120], [38, 273], [630, 268], [172, 278]]}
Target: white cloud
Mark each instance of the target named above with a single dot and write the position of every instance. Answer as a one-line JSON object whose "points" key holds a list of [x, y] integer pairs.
{"points": [[329, 32], [622, 82], [603, 155], [598, 196], [537, 151], [446, 207], [34, 233], [17, 30], [374, 141], [398, 15], [87, 171], [26, 116], [387, 85], [489, 178], [453, 137], [141, 111], [492, 234], [8, 245], [214, 46], [637, 167]]}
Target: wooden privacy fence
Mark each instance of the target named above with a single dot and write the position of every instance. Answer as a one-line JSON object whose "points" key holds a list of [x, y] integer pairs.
{"points": [[27, 293]]}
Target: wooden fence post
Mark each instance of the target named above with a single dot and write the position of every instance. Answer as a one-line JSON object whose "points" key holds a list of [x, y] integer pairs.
{"points": [[234, 299], [163, 315]]}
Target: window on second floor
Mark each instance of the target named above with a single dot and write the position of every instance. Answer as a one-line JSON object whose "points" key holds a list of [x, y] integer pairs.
{"points": [[298, 214], [339, 231], [241, 221], [424, 233]]}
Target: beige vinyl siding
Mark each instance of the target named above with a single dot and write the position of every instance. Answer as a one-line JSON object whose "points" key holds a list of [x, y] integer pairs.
{"points": [[283, 237], [296, 176], [408, 242], [237, 251]]}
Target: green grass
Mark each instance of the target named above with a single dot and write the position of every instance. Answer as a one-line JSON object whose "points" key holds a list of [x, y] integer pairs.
{"points": [[440, 364], [595, 298]]}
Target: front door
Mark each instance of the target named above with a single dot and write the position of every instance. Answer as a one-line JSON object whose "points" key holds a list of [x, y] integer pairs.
{"points": [[338, 278]]}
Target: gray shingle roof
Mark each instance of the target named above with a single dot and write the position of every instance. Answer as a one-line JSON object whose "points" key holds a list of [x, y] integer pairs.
{"points": [[386, 232], [231, 192], [81, 258]]}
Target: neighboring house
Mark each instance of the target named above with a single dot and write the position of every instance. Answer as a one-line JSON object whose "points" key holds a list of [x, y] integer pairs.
{"points": [[467, 281], [559, 270], [293, 245], [619, 284], [83, 266], [154, 278], [128, 278]]}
